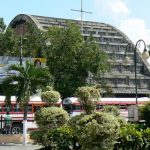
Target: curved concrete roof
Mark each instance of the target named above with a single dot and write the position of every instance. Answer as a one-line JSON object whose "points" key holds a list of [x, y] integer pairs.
{"points": [[41, 22], [26, 18]]}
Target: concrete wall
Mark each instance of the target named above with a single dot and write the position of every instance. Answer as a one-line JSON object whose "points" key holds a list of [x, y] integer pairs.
{"points": [[14, 138]]}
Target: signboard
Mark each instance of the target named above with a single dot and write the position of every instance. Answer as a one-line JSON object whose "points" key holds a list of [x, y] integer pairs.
{"points": [[39, 62]]}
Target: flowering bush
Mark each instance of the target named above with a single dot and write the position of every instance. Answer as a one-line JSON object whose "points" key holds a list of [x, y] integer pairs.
{"points": [[50, 118], [51, 97], [53, 130], [87, 96], [111, 109], [96, 131]]}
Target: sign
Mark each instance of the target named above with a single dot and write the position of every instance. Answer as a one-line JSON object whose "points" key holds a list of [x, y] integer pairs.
{"points": [[39, 62]]}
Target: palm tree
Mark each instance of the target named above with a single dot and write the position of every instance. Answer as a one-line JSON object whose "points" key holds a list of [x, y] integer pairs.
{"points": [[28, 79]]}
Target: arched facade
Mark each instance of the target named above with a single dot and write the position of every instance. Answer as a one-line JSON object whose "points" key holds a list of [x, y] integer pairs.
{"points": [[121, 78]]}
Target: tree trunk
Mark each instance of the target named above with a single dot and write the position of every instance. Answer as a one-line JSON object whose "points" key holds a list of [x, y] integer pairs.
{"points": [[25, 125]]}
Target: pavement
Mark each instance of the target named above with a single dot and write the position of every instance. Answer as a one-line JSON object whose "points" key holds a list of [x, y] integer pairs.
{"points": [[12, 146]]}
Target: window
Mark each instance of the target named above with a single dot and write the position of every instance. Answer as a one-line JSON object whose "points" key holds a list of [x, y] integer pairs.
{"points": [[127, 80], [122, 81], [76, 107], [122, 107], [7, 108], [0, 108], [132, 81], [17, 108], [112, 34], [29, 108], [37, 108], [68, 108], [98, 107], [93, 32], [114, 81], [115, 68]]}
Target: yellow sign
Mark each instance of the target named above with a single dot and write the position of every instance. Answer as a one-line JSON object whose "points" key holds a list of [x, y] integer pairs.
{"points": [[2, 65], [42, 60], [39, 62]]}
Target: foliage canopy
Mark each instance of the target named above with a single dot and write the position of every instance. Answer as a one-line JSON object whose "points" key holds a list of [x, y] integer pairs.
{"points": [[70, 58], [25, 81], [50, 96], [50, 118], [98, 131], [145, 112], [88, 95], [111, 109]]}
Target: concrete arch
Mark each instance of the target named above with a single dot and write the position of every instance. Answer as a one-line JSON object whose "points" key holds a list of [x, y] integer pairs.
{"points": [[24, 18], [38, 21]]}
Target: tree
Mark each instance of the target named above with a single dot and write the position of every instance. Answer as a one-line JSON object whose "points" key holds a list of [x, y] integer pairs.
{"points": [[133, 137], [50, 96], [2, 25], [97, 131], [9, 41], [112, 110], [145, 113], [28, 79], [70, 58], [53, 132], [51, 117], [34, 44], [88, 96]]}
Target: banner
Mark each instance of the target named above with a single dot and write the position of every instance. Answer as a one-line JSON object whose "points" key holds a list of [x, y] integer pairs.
{"points": [[39, 62]]}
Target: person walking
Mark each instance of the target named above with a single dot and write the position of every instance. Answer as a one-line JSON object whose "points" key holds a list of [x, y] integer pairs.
{"points": [[8, 123]]}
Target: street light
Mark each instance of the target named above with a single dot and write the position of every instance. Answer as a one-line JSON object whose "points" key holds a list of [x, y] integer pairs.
{"points": [[20, 49], [145, 56]]}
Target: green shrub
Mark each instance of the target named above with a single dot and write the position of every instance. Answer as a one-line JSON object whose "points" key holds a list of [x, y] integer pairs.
{"points": [[146, 138], [122, 121], [50, 96], [63, 138], [145, 113], [98, 131], [47, 88], [37, 137], [134, 138], [56, 139], [111, 109], [50, 118], [87, 97], [53, 132]]}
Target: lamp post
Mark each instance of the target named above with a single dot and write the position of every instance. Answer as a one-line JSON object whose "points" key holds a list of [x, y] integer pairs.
{"points": [[20, 49], [145, 55], [26, 106]]}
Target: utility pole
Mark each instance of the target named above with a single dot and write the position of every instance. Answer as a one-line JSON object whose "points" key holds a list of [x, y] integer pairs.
{"points": [[21, 49], [21, 39], [81, 11]]}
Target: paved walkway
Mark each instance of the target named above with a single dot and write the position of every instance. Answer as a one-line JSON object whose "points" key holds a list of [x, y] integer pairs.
{"points": [[12, 146]]}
